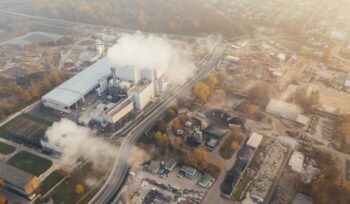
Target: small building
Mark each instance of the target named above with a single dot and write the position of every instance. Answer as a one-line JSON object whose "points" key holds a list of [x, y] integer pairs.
{"points": [[154, 166], [189, 172], [180, 132], [296, 162], [337, 35], [254, 140], [18, 180], [188, 124], [302, 119], [281, 57], [170, 164], [206, 181], [347, 83], [212, 143]]}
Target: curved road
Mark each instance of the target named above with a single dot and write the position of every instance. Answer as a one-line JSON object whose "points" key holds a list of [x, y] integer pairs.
{"points": [[120, 167]]}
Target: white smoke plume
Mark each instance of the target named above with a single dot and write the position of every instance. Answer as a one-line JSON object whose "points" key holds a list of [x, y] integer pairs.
{"points": [[152, 52], [76, 142], [137, 156]]}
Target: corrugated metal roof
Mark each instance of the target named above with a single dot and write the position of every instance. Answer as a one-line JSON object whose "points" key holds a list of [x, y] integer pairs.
{"points": [[283, 109], [14, 176], [78, 86]]}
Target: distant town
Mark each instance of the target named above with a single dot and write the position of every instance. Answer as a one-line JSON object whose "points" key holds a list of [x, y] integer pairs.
{"points": [[108, 113]]}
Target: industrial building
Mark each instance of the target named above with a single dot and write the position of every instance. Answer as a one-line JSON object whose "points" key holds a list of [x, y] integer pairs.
{"points": [[206, 181], [287, 110], [76, 88], [118, 83], [118, 111], [18, 180], [25, 130], [142, 94]]}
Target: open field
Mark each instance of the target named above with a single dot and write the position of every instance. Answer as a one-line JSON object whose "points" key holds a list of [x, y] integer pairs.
{"points": [[25, 129], [65, 192], [30, 163], [32, 37], [6, 149], [51, 181]]}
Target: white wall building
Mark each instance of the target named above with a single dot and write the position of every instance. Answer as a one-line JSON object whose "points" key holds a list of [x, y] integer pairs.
{"points": [[142, 94]]}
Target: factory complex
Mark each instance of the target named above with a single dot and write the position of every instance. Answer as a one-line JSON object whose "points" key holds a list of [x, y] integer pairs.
{"points": [[120, 90]]}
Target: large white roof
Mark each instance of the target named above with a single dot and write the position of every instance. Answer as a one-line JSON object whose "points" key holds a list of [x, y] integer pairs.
{"points": [[283, 109], [78, 86]]}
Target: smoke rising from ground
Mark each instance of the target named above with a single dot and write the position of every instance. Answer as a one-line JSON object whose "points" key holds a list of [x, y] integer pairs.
{"points": [[137, 156], [76, 142], [152, 52]]}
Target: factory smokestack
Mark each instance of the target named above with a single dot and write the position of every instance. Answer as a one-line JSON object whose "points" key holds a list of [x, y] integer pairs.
{"points": [[114, 77]]}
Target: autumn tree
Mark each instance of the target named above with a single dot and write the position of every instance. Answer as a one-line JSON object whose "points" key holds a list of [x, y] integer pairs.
{"points": [[234, 145], [171, 113], [344, 128], [325, 190], [161, 139], [212, 81], [202, 157], [2, 183], [161, 125], [201, 91], [178, 142], [176, 124], [220, 164], [3, 199], [79, 189], [250, 111]]}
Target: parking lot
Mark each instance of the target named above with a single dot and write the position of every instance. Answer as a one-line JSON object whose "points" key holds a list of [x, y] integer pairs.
{"points": [[146, 187]]}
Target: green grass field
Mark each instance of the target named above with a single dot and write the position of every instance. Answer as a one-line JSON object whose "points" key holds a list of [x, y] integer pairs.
{"points": [[51, 181], [65, 192], [30, 163], [6, 149], [225, 150]]}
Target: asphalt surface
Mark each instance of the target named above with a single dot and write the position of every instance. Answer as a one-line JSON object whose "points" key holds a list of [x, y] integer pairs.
{"points": [[120, 166]]}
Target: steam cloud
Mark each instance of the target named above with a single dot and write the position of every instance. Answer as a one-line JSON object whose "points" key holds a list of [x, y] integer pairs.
{"points": [[152, 52], [76, 142]]}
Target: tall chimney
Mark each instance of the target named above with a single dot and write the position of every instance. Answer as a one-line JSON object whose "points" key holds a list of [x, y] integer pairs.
{"points": [[114, 77]]}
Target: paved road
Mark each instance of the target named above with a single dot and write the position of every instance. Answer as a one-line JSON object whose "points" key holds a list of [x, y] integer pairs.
{"points": [[120, 169]]}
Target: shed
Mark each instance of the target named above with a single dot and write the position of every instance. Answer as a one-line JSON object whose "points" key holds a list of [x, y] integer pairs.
{"points": [[254, 140]]}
